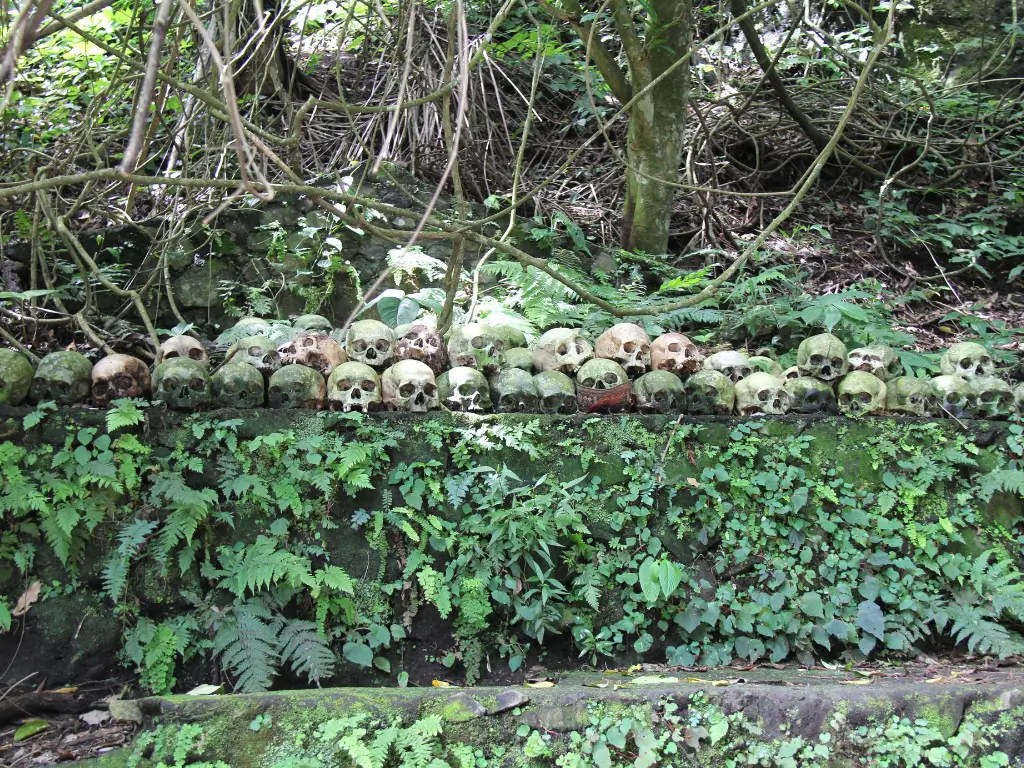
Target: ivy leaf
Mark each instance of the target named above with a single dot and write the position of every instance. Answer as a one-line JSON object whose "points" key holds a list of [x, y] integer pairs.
{"points": [[870, 619], [648, 585], [358, 653], [811, 605]]}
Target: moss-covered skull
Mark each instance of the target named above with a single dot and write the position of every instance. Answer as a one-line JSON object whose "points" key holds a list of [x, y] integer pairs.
{"points": [[1018, 398], [421, 342], [628, 345], [734, 365], [601, 374], [822, 356], [182, 384], [765, 365], [967, 359], [881, 362], [259, 352], [993, 398], [237, 385], [563, 350], [477, 346], [513, 391], [182, 346], [709, 393], [312, 323], [761, 393], [659, 392], [15, 377], [557, 393], [371, 342], [118, 376], [314, 350], [296, 386], [409, 385], [810, 396], [63, 377], [253, 326], [518, 357], [860, 394], [675, 353], [354, 387], [791, 373], [953, 397], [909, 396], [464, 389]]}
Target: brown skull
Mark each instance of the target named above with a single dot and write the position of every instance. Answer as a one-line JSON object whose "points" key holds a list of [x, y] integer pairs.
{"points": [[313, 350], [628, 345], [117, 376], [675, 353], [423, 343], [182, 346]]}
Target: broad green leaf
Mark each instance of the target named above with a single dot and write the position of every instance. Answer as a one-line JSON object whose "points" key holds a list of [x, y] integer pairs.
{"points": [[358, 653], [648, 584], [811, 605], [870, 619]]}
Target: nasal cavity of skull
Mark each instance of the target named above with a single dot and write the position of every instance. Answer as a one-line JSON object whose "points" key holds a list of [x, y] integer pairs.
{"points": [[563, 348]]}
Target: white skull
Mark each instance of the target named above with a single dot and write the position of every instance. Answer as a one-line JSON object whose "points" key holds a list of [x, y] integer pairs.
{"points": [[257, 351], [118, 376], [314, 350], [733, 364], [478, 346], [993, 398], [659, 392], [628, 345], [953, 397], [371, 342], [674, 352], [563, 350], [791, 373], [761, 393], [182, 346], [878, 361], [409, 385], [423, 343], [464, 389], [354, 387], [861, 393], [967, 360], [822, 356], [601, 374]]}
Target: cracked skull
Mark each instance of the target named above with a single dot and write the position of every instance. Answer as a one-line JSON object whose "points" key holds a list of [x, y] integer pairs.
{"points": [[909, 396], [953, 397], [563, 350], [314, 350], [63, 377], [371, 342], [761, 393], [967, 359], [15, 377], [993, 398], [675, 353], [237, 385], [628, 345], [182, 384], [601, 374], [409, 385], [118, 376], [557, 393], [822, 356], [877, 360], [659, 392], [182, 346], [464, 389], [735, 365], [810, 396], [513, 391], [354, 386], [259, 352], [297, 386], [423, 343], [860, 394], [709, 393]]}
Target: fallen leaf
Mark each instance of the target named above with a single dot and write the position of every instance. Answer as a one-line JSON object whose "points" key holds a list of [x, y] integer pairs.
{"points": [[657, 680], [939, 679], [206, 690], [541, 684], [855, 682], [865, 673], [70, 689], [442, 684], [28, 597], [693, 481], [595, 685], [633, 669], [29, 729], [693, 734], [94, 717], [720, 683]]}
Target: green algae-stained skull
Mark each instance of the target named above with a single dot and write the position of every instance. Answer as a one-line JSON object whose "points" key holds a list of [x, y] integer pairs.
{"points": [[601, 374], [253, 326], [557, 393], [909, 396], [464, 389], [182, 346], [563, 350], [182, 384], [627, 344], [822, 356], [258, 351], [810, 396], [765, 365], [15, 377], [354, 387], [791, 373], [518, 357], [119, 376], [659, 392], [733, 364], [312, 323], [877, 360], [761, 393], [861, 394], [63, 377], [478, 346], [371, 342], [674, 352], [953, 397], [1018, 398], [513, 391], [237, 385], [709, 393], [296, 386], [967, 359], [993, 398], [409, 385]]}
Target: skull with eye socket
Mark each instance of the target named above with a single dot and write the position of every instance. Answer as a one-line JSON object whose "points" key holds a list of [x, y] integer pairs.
{"points": [[877, 360], [354, 387], [182, 384], [822, 356], [810, 396], [259, 352], [119, 376], [675, 353], [861, 394], [314, 350], [182, 346], [423, 343], [237, 385], [953, 397], [709, 393], [557, 393], [513, 391], [733, 364], [628, 345], [967, 359], [478, 346], [761, 393], [563, 350], [63, 377], [371, 342], [993, 398], [464, 389], [792, 373], [909, 396], [296, 386], [409, 385], [601, 374], [659, 392]]}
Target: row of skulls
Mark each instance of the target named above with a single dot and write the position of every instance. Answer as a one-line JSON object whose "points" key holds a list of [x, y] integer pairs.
{"points": [[407, 369]]}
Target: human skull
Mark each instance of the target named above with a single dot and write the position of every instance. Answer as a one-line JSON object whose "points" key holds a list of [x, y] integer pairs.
{"points": [[601, 374], [1018, 398], [297, 386], [822, 356], [371, 342], [477, 346], [182, 384], [792, 373], [761, 393], [810, 396], [15, 377], [257, 351], [675, 353], [709, 393], [464, 389], [237, 385], [253, 326], [659, 392], [423, 343], [860, 394], [735, 365], [765, 365], [967, 359], [182, 346], [993, 398], [409, 385], [877, 360], [910, 396], [63, 377], [312, 323], [953, 397], [563, 350], [628, 345], [314, 350], [557, 393], [513, 391], [354, 387], [118, 376], [518, 357]]}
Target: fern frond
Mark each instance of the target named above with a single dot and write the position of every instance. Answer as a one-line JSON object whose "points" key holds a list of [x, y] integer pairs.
{"points": [[246, 643], [303, 647], [1001, 480]]}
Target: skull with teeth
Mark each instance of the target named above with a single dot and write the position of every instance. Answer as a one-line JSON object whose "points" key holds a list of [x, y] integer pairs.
{"points": [[409, 385], [860, 394], [464, 389], [312, 323], [810, 396], [478, 346], [909, 396], [967, 360], [63, 377], [765, 365], [518, 357], [557, 393], [513, 391], [182, 346], [709, 393], [182, 384], [563, 350], [953, 397], [296, 386], [993, 398], [354, 387], [628, 345], [735, 365], [257, 351], [313, 350], [423, 343], [675, 353], [761, 393], [15, 377], [118, 376], [791, 373], [878, 361], [659, 392], [822, 356], [601, 374], [237, 385], [371, 342]]}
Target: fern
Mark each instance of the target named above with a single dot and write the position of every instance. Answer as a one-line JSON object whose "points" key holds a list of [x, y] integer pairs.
{"points": [[301, 645], [124, 413], [258, 566], [992, 592], [1001, 480], [130, 540], [246, 642]]}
